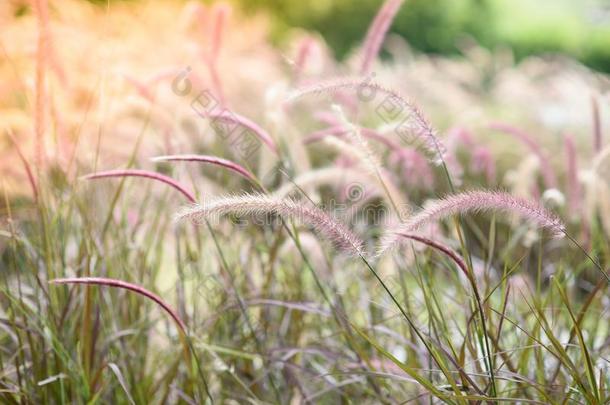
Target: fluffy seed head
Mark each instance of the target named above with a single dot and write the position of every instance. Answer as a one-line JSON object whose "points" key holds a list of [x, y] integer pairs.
{"points": [[475, 201], [418, 125], [252, 204]]}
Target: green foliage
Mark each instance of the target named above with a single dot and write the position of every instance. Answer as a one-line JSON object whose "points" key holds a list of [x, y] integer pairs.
{"points": [[437, 26]]}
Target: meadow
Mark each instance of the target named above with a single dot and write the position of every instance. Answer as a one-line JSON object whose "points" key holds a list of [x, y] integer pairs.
{"points": [[191, 214]]}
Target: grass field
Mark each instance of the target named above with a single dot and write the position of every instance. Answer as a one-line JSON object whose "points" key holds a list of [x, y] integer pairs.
{"points": [[190, 215]]}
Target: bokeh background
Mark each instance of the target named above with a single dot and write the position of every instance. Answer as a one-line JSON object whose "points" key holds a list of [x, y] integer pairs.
{"points": [[578, 28], [517, 90]]}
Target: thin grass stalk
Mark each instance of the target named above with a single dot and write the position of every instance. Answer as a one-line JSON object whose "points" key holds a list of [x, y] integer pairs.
{"points": [[130, 163], [340, 317], [143, 174], [581, 315], [470, 276], [432, 352], [26, 165], [126, 286], [13, 241], [214, 160], [243, 309], [581, 340], [113, 283]]}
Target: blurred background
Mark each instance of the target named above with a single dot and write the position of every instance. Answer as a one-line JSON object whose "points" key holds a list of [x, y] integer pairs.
{"points": [[577, 28], [466, 62], [517, 90]]}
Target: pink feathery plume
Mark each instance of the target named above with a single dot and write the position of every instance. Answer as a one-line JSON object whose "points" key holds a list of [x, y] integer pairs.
{"points": [[573, 186], [109, 282], [418, 123], [548, 174], [377, 32], [208, 159], [221, 12], [475, 201], [145, 174], [42, 12], [253, 204], [234, 118]]}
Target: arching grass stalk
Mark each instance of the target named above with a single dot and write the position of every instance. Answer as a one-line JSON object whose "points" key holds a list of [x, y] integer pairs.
{"points": [[122, 173], [144, 174], [187, 347], [214, 160], [113, 283]]}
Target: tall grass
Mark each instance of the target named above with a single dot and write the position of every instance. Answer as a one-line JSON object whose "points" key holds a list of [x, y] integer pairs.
{"points": [[285, 295]]}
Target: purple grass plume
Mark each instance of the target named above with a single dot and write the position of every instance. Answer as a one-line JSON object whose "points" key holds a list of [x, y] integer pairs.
{"points": [[475, 201], [418, 124], [252, 204]]}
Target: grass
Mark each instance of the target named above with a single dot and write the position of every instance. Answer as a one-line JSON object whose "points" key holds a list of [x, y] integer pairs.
{"points": [[280, 290]]}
